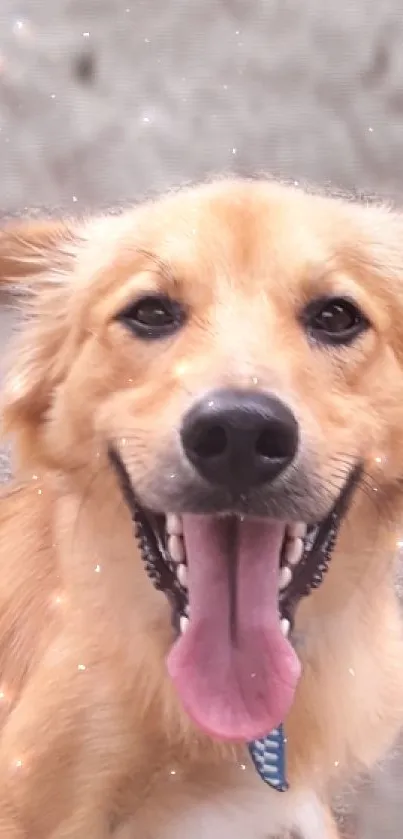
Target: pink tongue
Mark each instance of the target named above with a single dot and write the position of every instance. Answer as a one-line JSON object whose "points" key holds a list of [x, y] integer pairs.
{"points": [[234, 671]]}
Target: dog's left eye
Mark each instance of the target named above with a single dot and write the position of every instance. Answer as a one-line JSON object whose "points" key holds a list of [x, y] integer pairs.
{"points": [[335, 320], [153, 316]]}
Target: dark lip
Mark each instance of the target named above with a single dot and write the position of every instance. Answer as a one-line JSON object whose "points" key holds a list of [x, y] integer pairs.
{"points": [[310, 570], [150, 539], [149, 533]]}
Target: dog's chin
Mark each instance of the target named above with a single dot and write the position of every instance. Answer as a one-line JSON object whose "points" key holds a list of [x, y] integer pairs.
{"points": [[234, 578]]}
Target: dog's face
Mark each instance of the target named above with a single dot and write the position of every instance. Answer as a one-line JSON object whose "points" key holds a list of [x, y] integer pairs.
{"points": [[236, 351]]}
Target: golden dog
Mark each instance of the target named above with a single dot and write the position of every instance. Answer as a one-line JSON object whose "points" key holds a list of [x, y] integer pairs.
{"points": [[223, 366]]}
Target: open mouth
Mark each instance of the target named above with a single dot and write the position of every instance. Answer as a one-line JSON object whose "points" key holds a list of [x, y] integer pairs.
{"points": [[234, 583]]}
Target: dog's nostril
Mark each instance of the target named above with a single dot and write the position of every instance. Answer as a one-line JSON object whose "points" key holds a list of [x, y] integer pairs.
{"points": [[212, 442], [272, 444], [264, 444]]}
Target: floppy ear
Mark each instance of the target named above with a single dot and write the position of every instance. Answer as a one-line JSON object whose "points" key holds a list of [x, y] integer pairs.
{"points": [[27, 249], [37, 261]]}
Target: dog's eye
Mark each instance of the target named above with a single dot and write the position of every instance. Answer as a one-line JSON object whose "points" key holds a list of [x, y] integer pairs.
{"points": [[334, 321], [153, 316]]}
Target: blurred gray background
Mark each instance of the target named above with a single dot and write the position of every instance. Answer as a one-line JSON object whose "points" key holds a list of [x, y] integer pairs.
{"points": [[103, 101]]}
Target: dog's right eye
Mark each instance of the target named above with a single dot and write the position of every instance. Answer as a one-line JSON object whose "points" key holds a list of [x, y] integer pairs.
{"points": [[334, 321], [153, 316]]}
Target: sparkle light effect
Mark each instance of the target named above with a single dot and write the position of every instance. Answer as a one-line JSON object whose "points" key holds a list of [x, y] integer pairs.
{"points": [[17, 385], [17, 763], [5, 696], [19, 26], [58, 599], [182, 368], [23, 30]]}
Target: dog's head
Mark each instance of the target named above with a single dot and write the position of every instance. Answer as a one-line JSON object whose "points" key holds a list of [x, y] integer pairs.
{"points": [[235, 353]]}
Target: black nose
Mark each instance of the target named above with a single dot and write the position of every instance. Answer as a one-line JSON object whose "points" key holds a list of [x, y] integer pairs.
{"points": [[239, 439]]}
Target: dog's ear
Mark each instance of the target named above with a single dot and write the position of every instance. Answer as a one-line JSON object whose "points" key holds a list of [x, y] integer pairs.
{"points": [[29, 249], [37, 261]]}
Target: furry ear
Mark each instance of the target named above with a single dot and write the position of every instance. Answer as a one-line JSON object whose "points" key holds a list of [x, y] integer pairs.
{"points": [[29, 248], [37, 261]]}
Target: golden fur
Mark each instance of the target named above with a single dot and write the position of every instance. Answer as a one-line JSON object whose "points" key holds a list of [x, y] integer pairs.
{"points": [[94, 742]]}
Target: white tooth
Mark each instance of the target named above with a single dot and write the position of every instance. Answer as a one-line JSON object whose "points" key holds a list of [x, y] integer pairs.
{"points": [[285, 576], [293, 551], [174, 525], [297, 531], [285, 627], [182, 574], [176, 548], [183, 623]]}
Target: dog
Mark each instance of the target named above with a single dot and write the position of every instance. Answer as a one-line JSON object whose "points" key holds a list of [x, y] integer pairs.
{"points": [[199, 548]]}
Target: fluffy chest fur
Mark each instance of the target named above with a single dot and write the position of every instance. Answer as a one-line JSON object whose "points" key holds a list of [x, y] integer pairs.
{"points": [[244, 809]]}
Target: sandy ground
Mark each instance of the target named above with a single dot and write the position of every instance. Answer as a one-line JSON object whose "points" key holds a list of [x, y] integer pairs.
{"points": [[102, 101]]}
